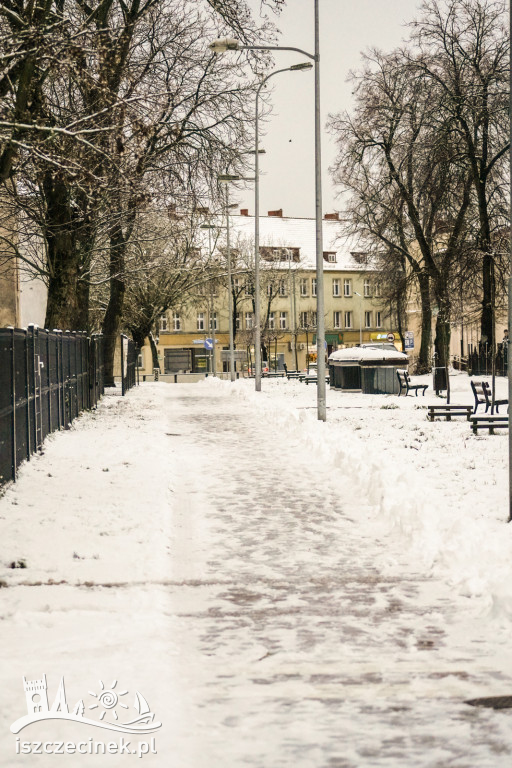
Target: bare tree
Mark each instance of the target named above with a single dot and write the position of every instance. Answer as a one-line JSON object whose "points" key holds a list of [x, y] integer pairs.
{"points": [[464, 51], [402, 170]]}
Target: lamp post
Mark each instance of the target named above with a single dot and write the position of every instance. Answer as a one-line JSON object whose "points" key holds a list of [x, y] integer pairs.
{"points": [[226, 179], [229, 44], [257, 298], [360, 317], [209, 227]]}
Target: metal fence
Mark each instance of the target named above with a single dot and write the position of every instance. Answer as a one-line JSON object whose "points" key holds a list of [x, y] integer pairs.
{"points": [[129, 364], [479, 361], [46, 380]]}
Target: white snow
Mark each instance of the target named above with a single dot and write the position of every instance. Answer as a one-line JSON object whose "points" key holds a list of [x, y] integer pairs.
{"points": [[368, 353], [282, 591]]}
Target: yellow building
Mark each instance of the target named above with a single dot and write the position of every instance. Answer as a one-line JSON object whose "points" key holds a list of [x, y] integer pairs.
{"points": [[354, 310]]}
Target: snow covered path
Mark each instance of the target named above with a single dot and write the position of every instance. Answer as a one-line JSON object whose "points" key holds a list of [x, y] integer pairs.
{"points": [[231, 573], [298, 651]]}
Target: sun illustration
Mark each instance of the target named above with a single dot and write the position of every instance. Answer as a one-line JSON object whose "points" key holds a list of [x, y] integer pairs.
{"points": [[108, 699]]}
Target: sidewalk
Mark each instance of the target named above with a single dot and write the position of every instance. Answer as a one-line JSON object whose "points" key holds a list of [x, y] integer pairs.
{"points": [[192, 544]]}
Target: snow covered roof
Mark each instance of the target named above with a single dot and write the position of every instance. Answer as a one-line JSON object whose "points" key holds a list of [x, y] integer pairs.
{"points": [[281, 231], [358, 354]]}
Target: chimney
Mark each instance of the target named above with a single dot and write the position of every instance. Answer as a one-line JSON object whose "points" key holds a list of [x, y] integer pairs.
{"points": [[332, 216], [244, 211], [276, 213]]}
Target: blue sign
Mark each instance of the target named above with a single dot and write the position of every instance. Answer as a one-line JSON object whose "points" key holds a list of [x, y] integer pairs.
{"points": [[409, 340], [208, 343]]}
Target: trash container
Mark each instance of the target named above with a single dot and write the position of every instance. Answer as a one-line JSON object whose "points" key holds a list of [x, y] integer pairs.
{"points": [[439, 379]]}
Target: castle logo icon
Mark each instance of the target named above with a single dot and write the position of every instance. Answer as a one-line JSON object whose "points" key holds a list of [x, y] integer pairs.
{"points": [[108, 705]]}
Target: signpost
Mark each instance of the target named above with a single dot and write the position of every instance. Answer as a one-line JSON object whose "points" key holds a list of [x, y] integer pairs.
{"points": [[390, 337], [409, 340]]}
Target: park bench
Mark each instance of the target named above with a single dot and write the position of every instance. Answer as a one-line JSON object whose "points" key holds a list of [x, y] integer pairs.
{"points": [[293, 375], [404, 381], [448, 410], [314, 379], [489, 421], [483, 395], [273, 374]]}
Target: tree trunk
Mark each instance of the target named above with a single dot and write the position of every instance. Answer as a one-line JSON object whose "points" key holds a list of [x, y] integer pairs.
{"points": [[112, 319], [423, 363], [62, 308], [442, 340], [486, 322], [154, 352]]}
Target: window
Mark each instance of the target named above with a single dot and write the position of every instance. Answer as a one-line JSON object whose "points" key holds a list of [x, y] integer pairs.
{"points": [[213, 322], [248, 288], [200, 321], [140, 362], [237, 284], [377, 290], [237, 321], [336, 287], [336, 319], [347, 287], [271, 320], [282, 287], [313, 286], [248, 320], [378, 319], [163, 323], [282, 320], [304, 286], [348, 319], [303, 319], [313, 319], [176, 321], [367, 319], [330, 257], [366, 287]]}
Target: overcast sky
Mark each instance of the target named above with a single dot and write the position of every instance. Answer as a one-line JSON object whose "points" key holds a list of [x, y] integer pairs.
{"points": [[347, 27]]}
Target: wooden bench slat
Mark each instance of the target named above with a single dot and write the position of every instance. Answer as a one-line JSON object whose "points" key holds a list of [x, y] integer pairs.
{"points": [[448, 410]]}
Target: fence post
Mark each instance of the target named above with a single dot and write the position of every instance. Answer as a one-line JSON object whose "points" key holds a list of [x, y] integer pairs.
{"points": [[122, 364], [27, 397], [13, 402], [49, 382]]}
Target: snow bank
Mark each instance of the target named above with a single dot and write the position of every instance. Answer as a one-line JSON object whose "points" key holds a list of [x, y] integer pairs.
{"points": [[434, 488]]}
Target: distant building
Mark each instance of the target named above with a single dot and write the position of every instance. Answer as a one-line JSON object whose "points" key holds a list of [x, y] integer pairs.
{"points": [[354, 309]]}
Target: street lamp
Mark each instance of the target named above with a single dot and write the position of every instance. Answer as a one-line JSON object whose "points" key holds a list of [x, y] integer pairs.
{"points": [[229, 44], [227, 178], [209, 227], [360, 317], [257, 299]]}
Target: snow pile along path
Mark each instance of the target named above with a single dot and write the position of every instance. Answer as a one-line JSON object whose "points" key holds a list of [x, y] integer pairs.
{"points": [[439, 489]]}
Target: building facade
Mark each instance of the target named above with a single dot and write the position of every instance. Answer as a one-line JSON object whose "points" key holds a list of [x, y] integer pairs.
{"points": [[354, 310]]}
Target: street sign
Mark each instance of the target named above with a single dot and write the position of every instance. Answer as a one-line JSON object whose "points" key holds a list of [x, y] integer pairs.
{"points": [[208, 343], [390, 337], [238, 354], [409, 340]]}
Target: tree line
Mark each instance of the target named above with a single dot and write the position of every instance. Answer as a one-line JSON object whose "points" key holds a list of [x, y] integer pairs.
{"points": [[422, 165], [112, 111]]}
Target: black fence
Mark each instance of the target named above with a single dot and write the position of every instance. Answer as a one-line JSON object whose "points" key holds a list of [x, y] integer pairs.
{"points": [[129, 363], [46, 380], [479, 361]]}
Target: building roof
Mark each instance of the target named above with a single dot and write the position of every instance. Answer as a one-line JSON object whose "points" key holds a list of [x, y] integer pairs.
{"points": [[282, 231]]}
